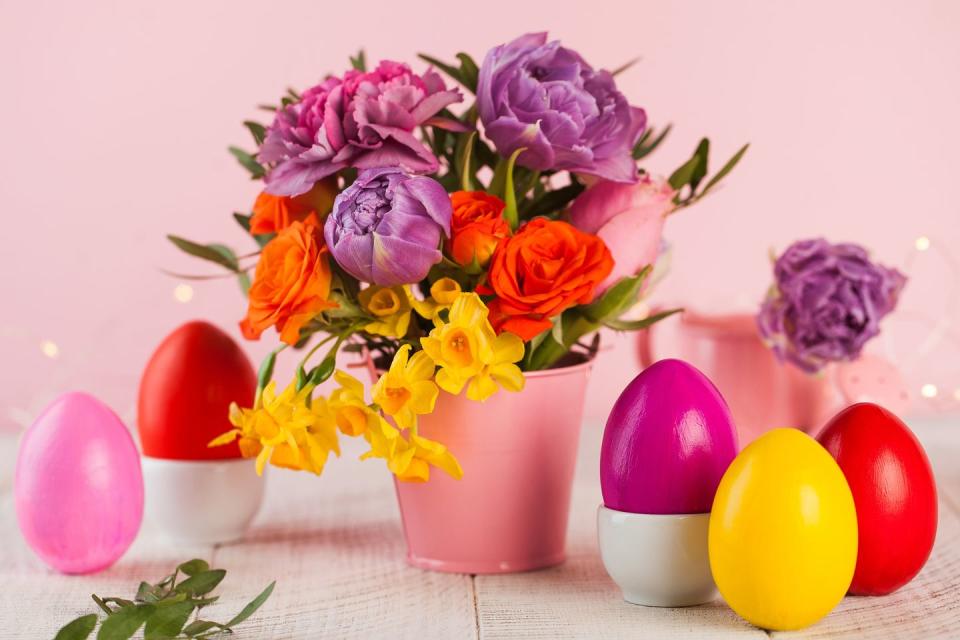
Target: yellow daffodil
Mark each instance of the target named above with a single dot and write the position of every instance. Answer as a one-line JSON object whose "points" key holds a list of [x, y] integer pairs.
{"points": [[407, 389], [391, 308], [470, 353], [284, 430], [410, 459], [443, 293], [351, 412]]}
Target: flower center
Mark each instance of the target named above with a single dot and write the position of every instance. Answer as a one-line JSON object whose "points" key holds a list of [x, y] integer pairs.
{"points": [[395, 398], [384, 303], [369, 207], [457, 350]]}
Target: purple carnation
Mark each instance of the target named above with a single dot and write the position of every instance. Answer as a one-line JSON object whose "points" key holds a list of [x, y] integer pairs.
{"points": [[546, 98], [385, 227], [827, 302], [364, 120]]}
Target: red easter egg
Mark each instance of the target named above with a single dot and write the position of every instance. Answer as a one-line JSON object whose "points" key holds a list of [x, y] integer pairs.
{"points": [[186, 391], [894, 493]]}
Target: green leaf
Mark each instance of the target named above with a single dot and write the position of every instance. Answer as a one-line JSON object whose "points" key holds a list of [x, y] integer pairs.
{"points": [[683, 175], [248, 162], [201, 583], [193, 567], [147, 592], [79, 629], [553, 201], [727, 168], [645, 147], [212, 252], [467, 180], [265, 374], [243, 220], [324, 370], [359, 62], [448, 69], [636, 325], [626, 65], [102, 604], [257, 130], [469, 72], [252, 606], [700, 170], [301, 378], [124, 623], [243, 278], [167, 621], [197, 627], [509, 195], [618, 298]]}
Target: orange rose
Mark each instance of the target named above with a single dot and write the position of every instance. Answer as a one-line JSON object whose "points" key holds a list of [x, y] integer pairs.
{"points": [[548, 266], [292, 282], [477, 226], [272, 214]]}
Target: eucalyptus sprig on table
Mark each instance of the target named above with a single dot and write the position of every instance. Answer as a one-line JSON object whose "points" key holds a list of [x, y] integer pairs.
{"points": [[163, 609]]}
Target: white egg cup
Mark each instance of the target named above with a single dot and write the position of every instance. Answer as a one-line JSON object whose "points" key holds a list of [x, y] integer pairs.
{"points": [[657, 560], [201, 502]]}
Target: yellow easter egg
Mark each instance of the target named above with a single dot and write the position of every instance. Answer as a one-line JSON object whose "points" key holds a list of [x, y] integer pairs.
{"points": [[783, 532]]}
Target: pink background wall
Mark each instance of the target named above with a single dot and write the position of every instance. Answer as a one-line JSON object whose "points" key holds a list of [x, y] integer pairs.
{"points": [[116, 116]]}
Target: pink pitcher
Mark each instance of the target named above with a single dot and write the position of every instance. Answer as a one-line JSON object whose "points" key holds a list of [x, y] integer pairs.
{"points": [[762, 392], [518, 452]]}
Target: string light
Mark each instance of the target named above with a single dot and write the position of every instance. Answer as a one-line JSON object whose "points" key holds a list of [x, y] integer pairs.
{"points": [[50, 349], [183, 293], [922, 243], [928, 390]]}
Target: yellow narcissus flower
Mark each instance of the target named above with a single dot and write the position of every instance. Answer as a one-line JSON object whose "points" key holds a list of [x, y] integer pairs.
{"points": [[443, 293], [470, 353], [284, 430], [391, 308], [407, 389], [351, 412], [410, 460]]}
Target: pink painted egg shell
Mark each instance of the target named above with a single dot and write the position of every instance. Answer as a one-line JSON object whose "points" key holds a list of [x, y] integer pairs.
{"points": [[668, 441], [78, 488]]}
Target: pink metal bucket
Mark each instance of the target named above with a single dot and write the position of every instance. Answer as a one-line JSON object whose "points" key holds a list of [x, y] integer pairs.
{"points": [[518, 452]]}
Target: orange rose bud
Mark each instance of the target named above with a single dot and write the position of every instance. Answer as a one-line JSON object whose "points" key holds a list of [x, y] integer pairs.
{"points": [[547, 267], [477, 226], [272, 214], [292, 282]]}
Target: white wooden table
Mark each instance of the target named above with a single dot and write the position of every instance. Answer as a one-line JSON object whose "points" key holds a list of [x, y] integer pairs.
{"points": [[335, 547]]}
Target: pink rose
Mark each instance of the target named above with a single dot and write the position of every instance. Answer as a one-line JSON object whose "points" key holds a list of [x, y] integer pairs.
{"points": [[628, 218]]}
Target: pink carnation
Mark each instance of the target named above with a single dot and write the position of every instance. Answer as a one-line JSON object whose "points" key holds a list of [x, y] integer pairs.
{"points": [[365, 120]]}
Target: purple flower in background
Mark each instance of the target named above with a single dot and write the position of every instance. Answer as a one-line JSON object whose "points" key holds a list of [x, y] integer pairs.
{"points": [[364, 120], [385, 227], [546, 98], [827, 302]]}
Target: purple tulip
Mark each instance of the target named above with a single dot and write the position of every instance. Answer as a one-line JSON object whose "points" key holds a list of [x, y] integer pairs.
{"points": [[366, 120], [546, 98], [385, 227], [827, 303]]}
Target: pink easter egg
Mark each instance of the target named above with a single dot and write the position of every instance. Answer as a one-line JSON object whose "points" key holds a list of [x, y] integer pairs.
{"points": [[78, 488], [668, 441]]}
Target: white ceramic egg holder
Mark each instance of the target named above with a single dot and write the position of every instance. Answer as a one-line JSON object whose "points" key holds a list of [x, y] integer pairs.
{"points": [[657, 560], [199, 502]]}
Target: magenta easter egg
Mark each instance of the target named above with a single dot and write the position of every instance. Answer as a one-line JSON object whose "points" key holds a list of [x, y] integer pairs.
{"points": [[668, 441], [78, 489]]}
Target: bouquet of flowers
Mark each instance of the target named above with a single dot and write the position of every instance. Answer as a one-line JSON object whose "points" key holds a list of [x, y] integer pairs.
{"points": [[458, 248]]}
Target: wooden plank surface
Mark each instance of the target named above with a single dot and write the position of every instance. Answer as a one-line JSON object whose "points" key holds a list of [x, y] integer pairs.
{"points": [[336, 548]]}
